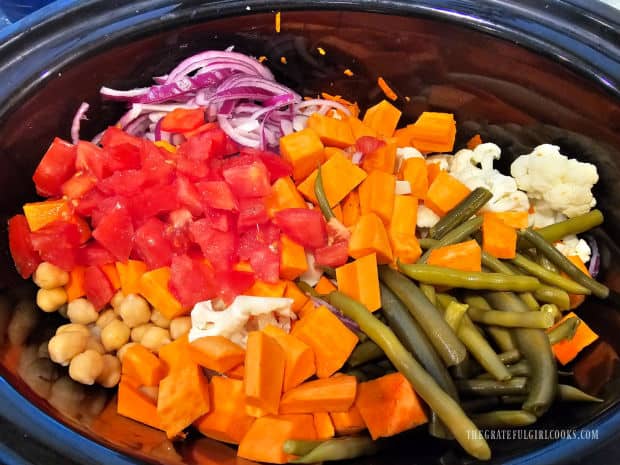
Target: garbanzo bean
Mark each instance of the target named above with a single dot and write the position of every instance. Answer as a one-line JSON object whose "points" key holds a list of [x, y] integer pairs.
{"points": [[72, 327], [48, 276], [155, 337], [94, 344], [159, 319], [66, 345], [111, 373], [50, 300], [180, 326], [115, 335], [82, 311], [137, 333], [134, 310], [106, 317], [86, 367], [116, 300]]}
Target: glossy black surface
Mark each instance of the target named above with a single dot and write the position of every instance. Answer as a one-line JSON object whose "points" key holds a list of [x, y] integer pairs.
{"points": [[563, 94]]}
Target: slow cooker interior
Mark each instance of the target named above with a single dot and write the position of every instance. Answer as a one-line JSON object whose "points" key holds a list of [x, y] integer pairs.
{"points": [[507, 94]]}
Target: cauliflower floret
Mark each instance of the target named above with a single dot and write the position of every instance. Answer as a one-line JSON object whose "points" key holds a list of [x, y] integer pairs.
{"points": [[544, 215], [564, 185], [246, 313], [402, 153], [506, 196], [427, 218], [443, 160], [572, 245]]}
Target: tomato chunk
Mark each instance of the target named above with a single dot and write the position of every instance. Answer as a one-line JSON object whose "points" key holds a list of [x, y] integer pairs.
{"points": [[115, 232], [219, 247], [56, 167], [368, 144], [26, 258], [116, 136], [57, 243], [304, 226], [333, 255], [191, 281], [91, 159], [250, 180], [251, 213], [232, 283], [188, 196], [217, 194], [151, 245], [93, 254], [99, 290]]}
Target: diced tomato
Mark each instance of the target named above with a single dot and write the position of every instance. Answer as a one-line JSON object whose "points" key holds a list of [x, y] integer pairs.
{"points": [[177, 230], [219, 247], [106, 205], [191, 281], [250, 180], [251, 213], [217, 194], [265, 262], [263, 235], [115, 232], [89, 202], [56, 167], [116, 136], [91, 159], [151, 245], [220, 219], [99, 290], [78, 185], [183, 120], [26, 258], [126, 183], [277, 166], [157, 169], [188, 196], [368, 144], [83, 227], [93, 254], [57, 243], [200, 147], [232, 283], [193, 169], [153, 201], [333, 255], [123, 157], [304, 226]]}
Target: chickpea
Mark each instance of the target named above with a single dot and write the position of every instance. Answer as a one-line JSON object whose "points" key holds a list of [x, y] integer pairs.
{"points": [[111, 373], [180, 326], [71, 327], [85, 367], [137, 333], [159, 319], [120, 353], [82, 311], [106, 317], [66, 345], [115, 335], [116, 300], [50, 300], [48, 276], [155, 337], [134, 310], [24, 320], [93, 344]]}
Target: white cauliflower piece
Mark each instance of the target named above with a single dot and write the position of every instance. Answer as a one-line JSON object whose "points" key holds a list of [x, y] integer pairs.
{"points": [[474, 168], [443, 160], [572, 245], [565, 185], [246, 313], [402, 188], [427, 218], [402, 153], [544, 215]]}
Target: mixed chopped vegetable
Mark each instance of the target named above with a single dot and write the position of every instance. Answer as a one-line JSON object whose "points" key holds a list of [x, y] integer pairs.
{"points": [[284, 276]]}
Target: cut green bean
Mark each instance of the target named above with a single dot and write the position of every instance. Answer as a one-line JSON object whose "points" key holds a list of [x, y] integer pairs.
{"points": [[443, 339], [501, 336], [429, 292], [565, 330], [297, 447], [454, 314], [538, 320], [363, 353], [553, 295], [576, 225], [490, 387], [448, 410], [521, 368], [551, 278], [339, 449], [426, 243], [545, 263], [329, 271], [510, 356], [564, 264], [568, 393], [468, 368], [504, 419], [480, 404], [465, 209], [458, 234], [498, 266], [552, 310], [441, 276], [321, 197], [411, 335], [307, 289], [535, 347]]}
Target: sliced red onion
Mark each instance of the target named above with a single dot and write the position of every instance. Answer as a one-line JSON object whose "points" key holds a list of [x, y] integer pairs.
{"points": [[241, 139], [348, 322], [138, 126], [286, 126], [80, 114], [123, 95], [595, 256], [324, 106]]}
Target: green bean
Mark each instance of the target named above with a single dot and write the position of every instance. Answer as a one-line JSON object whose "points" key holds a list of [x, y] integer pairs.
{"points": [[545, 276], [454, 314], [468, 368], [535, 347], [364, 352], [321, 197], [504, 418], [568, 393], [475, 342], [339, 449], [490, 387], [429, 292], [501, 336], [465, 209], [329, 271], [441, 276], [458, 234], [538, 319], [564, 264], [307, 289], [521, 368], [510, 356], [498, 266], [545, 263], [443, 339], [565, 330], [552, 310], [297, 447], [480, 403], [448, 410], [512, 399], [426, 243], [557, 231], [553, 295], [414, 339]]}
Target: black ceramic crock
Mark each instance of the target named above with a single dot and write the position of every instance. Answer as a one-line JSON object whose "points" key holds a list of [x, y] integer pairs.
{"points": [[518, 73]]}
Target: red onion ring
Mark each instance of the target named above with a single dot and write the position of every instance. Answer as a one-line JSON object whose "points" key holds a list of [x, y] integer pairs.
{"points": [[80, 114]]}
